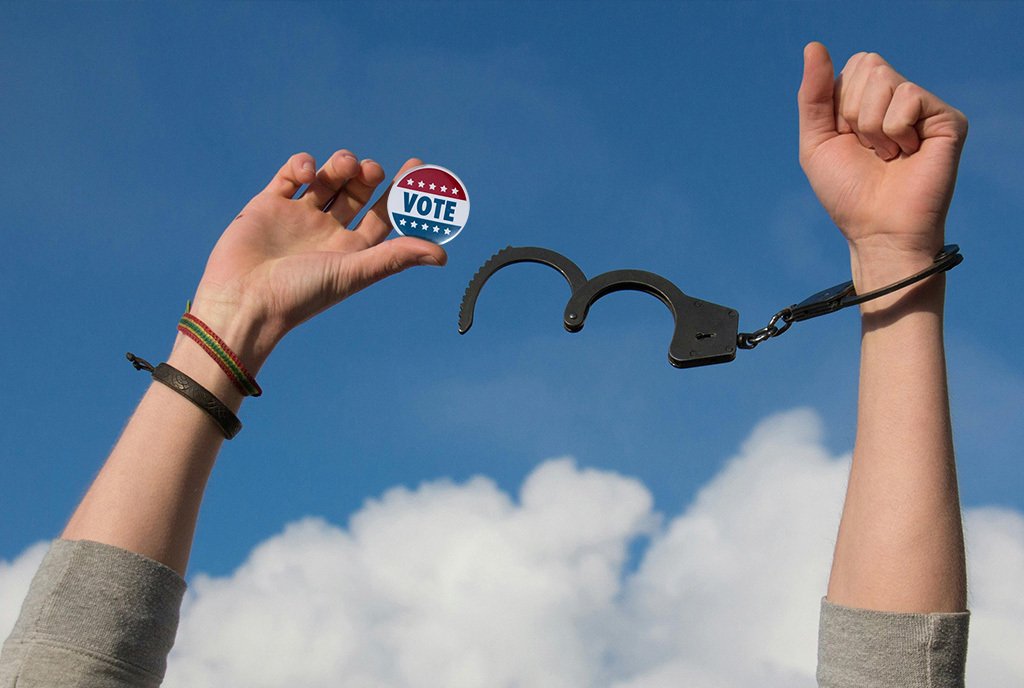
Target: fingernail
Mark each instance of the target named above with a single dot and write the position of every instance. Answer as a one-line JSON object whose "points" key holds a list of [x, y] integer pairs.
{"points": [[307, 166], [429, 260]]}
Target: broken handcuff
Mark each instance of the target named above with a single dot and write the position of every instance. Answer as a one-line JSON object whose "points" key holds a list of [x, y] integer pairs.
{"points": [[705, 333]]}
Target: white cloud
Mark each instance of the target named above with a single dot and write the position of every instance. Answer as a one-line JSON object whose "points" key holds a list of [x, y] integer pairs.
{"points": [[15, 578], [451, 585], [464, 585], [995, 563], [731, 588]]}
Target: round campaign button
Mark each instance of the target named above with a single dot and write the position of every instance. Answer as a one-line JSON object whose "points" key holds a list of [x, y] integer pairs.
{"points": [[429, 202]]}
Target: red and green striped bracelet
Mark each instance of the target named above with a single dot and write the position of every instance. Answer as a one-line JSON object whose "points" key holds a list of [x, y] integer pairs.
{"points": [[197, 330]]}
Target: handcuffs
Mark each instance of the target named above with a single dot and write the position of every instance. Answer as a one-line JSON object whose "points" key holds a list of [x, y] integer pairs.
{"points": [[705, 333]]}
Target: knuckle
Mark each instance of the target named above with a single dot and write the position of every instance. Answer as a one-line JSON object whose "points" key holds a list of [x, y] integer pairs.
{"points": [[907, 89], [854, 59], [881, 71], [393, 265], [874, 60]]}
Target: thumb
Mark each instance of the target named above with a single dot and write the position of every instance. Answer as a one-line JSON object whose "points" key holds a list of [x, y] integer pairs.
{"points": [[391, 257], [817, 109]]}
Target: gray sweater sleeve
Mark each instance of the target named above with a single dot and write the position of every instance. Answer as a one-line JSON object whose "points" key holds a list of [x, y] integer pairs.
{"points": [[95, 616], [869, 649]]}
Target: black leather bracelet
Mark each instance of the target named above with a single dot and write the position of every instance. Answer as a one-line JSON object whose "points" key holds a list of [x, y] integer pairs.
{"points": [[190, 389]]}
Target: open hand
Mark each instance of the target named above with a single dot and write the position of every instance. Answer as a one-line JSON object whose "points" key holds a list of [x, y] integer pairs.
{"points": [[284, 259]]}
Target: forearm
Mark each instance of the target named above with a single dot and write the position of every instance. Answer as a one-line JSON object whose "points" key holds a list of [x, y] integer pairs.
{"points": [[146, 497], [280, 262], [900, 543]]}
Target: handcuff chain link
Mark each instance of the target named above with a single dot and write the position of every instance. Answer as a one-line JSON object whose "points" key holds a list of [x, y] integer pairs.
{"points": [[748, 340]]}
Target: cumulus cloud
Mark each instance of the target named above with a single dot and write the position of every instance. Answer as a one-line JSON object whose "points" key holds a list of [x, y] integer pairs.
{"points": [[995, 569], [465, 585], [15, 578], [448, 585], [729, 593]]}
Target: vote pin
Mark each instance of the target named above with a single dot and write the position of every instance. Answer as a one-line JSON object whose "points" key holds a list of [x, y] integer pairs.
{"points": [[429, 202]]}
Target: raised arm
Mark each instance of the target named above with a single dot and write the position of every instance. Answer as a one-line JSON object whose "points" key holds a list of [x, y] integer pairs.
{"points": [[280, 262], [98, 613], [881, 153]]}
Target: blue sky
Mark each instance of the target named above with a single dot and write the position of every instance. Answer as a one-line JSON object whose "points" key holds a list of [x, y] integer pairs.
{"points": [[658, 136]]}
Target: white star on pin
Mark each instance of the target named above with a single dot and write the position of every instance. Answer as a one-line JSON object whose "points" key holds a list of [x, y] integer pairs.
{"points": [[455, 191], [413, 223], [436, 229], [443, 189], [433, 186], [409, 181], [447, 231], [402, 222], [421, 185]]}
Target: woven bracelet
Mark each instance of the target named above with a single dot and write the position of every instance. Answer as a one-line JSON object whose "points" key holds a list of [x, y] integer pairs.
{"points": [[201, 334], [190, 389]]}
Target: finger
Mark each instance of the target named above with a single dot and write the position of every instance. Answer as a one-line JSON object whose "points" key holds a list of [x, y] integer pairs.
{"points": [[334, 174], [376, 225], [940, 119], [844, 86], [853, 91], [357, 192], [915, 114], [814, 99], [875, 100], [300, 169], [363, 268]]}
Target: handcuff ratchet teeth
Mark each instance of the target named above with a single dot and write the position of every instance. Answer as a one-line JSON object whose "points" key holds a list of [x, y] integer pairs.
{"points": [[705, 333]]}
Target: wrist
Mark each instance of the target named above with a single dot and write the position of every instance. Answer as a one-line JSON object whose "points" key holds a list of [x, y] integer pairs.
{"points": [[190, 359], [247, 331], [222, 345], [877, 266]]}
